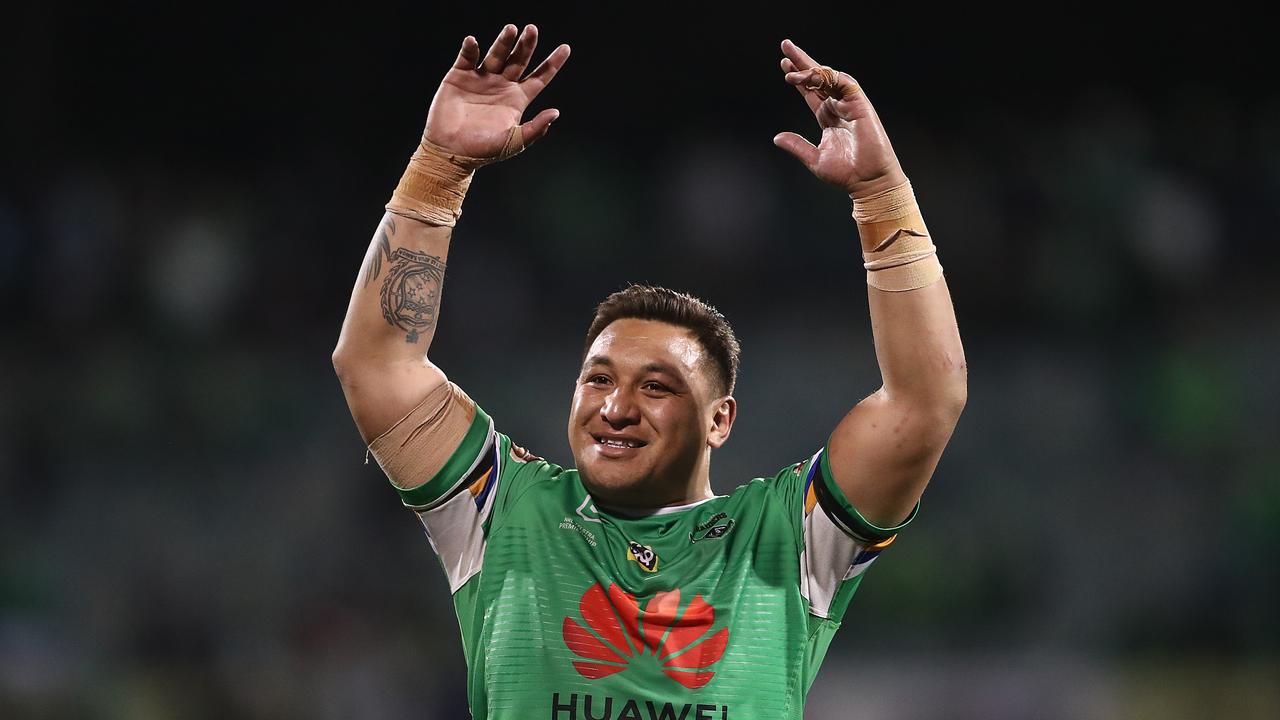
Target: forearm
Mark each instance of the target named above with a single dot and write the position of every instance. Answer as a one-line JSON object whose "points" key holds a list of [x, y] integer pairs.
{"points": [[918, 346], [474, 120], [381, 356], [913, 321], [396, 300], [395, 303]]}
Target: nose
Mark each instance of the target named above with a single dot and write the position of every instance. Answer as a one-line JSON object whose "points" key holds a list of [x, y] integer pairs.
{"points": [[619, 409]]}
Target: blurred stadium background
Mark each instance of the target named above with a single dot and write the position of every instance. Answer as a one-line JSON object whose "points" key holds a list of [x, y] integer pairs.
{"points": [[190, 529]]}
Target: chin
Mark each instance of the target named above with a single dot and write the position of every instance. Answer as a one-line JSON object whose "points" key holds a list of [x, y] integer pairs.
{"points": [[609, 484]]}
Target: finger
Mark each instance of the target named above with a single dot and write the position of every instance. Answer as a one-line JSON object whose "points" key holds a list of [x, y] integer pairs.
{"points": [[800, 149], [826, 81], [811, 98], [848, 101], [798, 56], [519, 59], [469, 55], [536, 128], [496, 58], [542, 76], [855, 106]]}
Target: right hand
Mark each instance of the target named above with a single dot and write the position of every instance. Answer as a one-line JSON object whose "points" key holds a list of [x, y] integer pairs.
{"points": [[855, 153], [475, 108]]}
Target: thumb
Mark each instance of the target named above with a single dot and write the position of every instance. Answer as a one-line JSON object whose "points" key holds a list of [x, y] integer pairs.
{"points": [[538, 126], [801, 149]]}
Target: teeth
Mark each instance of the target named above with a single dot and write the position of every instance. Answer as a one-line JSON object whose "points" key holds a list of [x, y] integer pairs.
{"points": [[619, 443]]}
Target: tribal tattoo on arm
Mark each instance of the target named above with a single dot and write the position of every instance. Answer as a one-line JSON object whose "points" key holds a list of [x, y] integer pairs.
{"points": [[381, 247], [411, 290]]}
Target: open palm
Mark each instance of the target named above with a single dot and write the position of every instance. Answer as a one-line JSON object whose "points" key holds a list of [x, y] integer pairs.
{"points": [[479, 102]]}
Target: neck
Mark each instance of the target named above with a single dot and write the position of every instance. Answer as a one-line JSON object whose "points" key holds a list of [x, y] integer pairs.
{"points": [[645, 498], [645, 512]]}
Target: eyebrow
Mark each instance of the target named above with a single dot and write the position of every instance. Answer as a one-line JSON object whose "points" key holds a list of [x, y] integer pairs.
{"points": [[651, 367]]}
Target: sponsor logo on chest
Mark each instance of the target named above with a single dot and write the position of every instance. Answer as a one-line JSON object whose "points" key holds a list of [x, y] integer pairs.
{"points": [[573, 706], [668, 634]]}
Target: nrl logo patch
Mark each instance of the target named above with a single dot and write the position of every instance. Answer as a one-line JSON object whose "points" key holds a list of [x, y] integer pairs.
{"points": [[643, 555]]}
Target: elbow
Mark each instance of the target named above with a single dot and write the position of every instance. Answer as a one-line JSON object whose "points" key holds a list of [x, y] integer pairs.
{"points": [[933, 415], [940, 403], [951, 391], [939, 418], [955, 397], [948, 407], [938, 391], [941, 415], [341, 359]]}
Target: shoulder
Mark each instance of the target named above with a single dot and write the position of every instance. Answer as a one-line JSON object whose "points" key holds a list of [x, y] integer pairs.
{"points": [[524, 472], [518, 458], [792, 477], [518, 453], [787, 479]]}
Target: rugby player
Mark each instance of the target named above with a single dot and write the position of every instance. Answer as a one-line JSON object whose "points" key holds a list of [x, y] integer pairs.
{"points": [[624, 588]]}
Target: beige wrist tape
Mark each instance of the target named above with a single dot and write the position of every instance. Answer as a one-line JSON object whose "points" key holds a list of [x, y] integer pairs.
{"points": [[417, 447], [436, 180], [896, 248]]}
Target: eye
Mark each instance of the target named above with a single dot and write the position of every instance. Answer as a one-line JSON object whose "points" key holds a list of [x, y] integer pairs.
{"points": [[655, 386], [597, 379]]}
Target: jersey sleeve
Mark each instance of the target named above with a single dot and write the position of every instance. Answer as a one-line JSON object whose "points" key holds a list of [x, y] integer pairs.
{"points": [[459, 505], [836, 543]]}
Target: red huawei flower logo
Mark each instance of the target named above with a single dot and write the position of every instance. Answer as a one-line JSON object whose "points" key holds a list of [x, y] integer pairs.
{"points": [[668, 634]]}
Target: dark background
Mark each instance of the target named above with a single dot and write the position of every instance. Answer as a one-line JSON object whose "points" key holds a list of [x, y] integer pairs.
{"points": [[189, 526]]}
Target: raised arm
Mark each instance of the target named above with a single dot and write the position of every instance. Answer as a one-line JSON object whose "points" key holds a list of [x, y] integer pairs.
{"points": [[474, 120], [884, 451]]}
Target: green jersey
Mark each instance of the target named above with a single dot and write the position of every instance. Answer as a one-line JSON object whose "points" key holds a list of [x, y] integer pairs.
{"points": [[717, 610]]}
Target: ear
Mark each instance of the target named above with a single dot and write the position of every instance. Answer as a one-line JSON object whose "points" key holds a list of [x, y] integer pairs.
{"points": [[726, 411]]}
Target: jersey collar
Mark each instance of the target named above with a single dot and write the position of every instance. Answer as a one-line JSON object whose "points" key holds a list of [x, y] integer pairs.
{"points": [[650, 512]]}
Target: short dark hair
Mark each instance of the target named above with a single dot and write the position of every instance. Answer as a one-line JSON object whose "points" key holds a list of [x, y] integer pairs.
{"points": [[648, 302]]}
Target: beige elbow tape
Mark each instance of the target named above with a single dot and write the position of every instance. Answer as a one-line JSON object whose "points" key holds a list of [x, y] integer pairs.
{"points": [[896, 249], [413, 450], [436, 180]]}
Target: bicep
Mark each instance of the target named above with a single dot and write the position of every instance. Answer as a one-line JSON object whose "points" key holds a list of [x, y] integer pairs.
{"points": [[379, 394], [883, 453]]}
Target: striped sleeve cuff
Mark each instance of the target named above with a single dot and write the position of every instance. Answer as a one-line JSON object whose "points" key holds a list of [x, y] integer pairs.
{"points": [[460, 466], [833, 501]]}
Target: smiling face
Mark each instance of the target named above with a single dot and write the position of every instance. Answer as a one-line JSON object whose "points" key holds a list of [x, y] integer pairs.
{"points": [[645, 416]]}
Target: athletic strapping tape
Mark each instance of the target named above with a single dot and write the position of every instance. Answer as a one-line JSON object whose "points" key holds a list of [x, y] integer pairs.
{"points": [[436, 181], [896, 249]]}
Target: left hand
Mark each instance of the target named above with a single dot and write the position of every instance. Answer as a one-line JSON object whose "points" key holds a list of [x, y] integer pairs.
{"points": [[854, 153]]}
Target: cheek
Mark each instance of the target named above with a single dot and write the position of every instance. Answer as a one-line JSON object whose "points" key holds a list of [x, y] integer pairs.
{"points": [[580, 408], [669, 416]]}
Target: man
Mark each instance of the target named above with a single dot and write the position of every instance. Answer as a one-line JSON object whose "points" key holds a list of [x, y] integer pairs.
{"points": [[625, 588]]}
